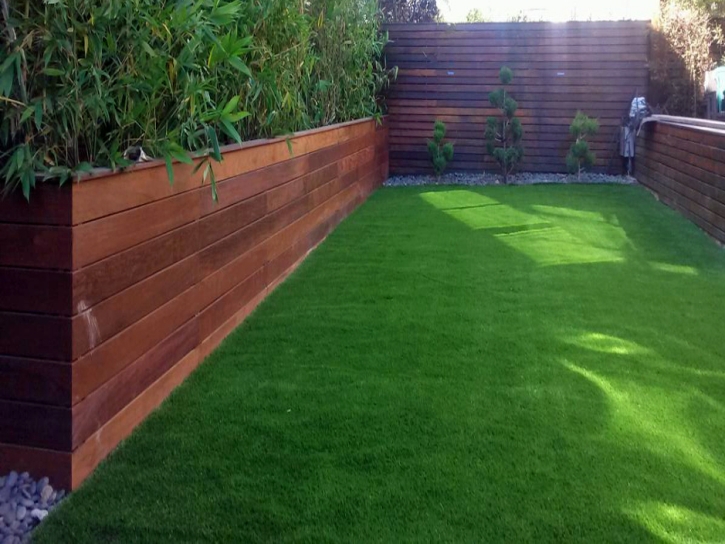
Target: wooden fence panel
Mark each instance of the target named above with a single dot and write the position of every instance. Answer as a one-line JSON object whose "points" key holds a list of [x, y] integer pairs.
{"points": [[446, 72]]}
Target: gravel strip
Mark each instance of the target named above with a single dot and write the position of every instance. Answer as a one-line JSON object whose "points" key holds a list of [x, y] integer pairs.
{"points": [[24, 503], [485, 178]]}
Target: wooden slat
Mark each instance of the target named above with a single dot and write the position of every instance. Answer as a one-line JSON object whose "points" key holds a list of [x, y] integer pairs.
{"points": [[697, 214], [35, 425], [99, 365], [686, 169], [226, 306], [447, 71], [40, 463], [99, 239], [698, 204], [101, 322], [105, 278], [98, 445], [87, 456], [231, 219], [33, 380], [141, 185], [35, 335], [49, 204], [35, 246], [153, 277], [96, 409], [217, 284], [518, 49], [36, 290]]}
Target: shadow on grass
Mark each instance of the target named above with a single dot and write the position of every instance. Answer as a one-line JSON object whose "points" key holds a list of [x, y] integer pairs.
{"points": [[661, 387]]}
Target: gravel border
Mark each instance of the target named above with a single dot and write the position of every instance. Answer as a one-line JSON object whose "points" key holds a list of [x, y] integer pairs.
{"points": [[24, 503], [485, 178]]}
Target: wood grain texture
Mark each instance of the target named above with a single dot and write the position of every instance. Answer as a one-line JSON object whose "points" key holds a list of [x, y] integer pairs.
{"points": [[113, 274], [102, 363], [139, 185], [36, 246], [106, 401], [36, 335], [35, 380], [685, 167], [95, 240], [40, 463], [150, 278], [447, 71], [35, 425], [36, 290], [49, 204], [104, 320]]}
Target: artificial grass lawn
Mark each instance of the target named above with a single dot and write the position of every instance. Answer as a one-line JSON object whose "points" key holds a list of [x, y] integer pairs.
{"points": [[501, 364]]}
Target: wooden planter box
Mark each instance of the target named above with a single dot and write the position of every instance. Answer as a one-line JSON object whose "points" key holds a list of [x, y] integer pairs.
{"points": [[114, 289], [685, 167]]}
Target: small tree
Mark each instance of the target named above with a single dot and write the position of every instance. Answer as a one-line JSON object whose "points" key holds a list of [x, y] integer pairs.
{"points": [[503, 136], [440, 153], [579, 156]]}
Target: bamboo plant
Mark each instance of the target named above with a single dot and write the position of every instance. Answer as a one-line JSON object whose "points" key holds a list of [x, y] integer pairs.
{"points": [[86, 83]]}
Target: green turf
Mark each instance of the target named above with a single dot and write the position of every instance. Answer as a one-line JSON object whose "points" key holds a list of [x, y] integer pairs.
{"points": [[504, 364]]}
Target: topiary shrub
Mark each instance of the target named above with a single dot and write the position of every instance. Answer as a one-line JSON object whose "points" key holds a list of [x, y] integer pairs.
{"points": [[503, 135], [580, 156], [440, 153]]}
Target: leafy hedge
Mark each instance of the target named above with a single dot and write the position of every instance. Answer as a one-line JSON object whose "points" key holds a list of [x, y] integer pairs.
{"points": [[83, 82]]}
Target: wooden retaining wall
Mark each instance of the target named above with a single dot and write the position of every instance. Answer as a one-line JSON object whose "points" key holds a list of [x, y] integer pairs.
{"points": [[114, 289], [446, 72], [685, 167]]}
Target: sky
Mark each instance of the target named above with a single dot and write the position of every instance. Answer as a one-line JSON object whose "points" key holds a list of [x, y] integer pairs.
{"points": [[550, 10]]}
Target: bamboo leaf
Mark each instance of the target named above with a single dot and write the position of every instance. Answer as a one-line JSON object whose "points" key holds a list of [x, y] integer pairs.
{"points": [[27, 114], [231, 131], [169, 168], [239, 65], [38, 114], [231, 105], [238, 116], [214, 194], [216, 151], [53, 72]]}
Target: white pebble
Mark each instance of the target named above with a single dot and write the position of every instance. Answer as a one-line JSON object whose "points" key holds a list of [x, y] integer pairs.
{"points": [[38, 514], [46, 493]]}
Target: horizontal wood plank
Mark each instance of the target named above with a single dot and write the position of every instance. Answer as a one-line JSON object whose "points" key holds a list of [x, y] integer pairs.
{"points": [[35, 425], [146, 278], [686, 169], [35, 380], [36, 290], [36, 246], [445, 72], [40, 463]]}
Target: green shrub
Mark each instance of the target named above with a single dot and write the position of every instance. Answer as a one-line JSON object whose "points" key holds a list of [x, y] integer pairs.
{"points": [[440, 153], [503, 136], [579, 156], [83, 81]]}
